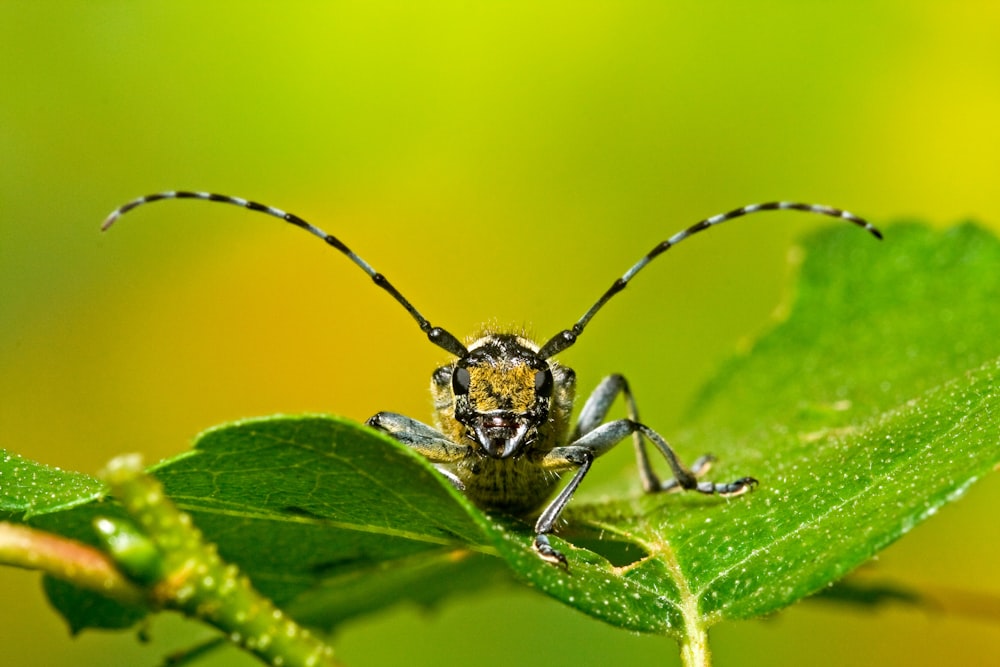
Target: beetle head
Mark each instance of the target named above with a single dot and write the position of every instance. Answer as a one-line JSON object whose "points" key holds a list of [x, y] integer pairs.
{"points": [[502, 391]]}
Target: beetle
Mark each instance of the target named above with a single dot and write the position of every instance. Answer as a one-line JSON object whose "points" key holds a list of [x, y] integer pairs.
{"points": [[503, 406]]}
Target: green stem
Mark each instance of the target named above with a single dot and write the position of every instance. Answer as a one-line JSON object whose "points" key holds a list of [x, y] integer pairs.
{"points": [[186, 573], [694, 647]]}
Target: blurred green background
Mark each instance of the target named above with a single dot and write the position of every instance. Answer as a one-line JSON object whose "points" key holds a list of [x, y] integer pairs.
{"points": [[500, 163]]}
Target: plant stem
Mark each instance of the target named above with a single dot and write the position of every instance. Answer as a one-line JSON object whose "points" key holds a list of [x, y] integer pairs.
{"points": [[67, 560], [694, 647], [186, 573]]}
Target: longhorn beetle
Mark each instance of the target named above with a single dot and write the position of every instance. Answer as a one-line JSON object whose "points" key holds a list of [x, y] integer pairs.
{"points": [[502, 433]]}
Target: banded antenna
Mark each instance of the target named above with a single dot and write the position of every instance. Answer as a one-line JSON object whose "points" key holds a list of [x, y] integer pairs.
{"points": [[436, 335], [567, 337]]}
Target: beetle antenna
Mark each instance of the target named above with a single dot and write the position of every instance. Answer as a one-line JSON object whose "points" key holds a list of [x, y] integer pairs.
{"points": [[567, 337], [436, 335]]}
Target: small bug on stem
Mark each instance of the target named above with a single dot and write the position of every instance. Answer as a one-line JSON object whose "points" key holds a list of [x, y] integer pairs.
{"points": [[503, 407]]}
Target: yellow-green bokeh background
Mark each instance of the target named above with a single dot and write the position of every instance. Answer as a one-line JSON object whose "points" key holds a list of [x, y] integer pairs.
{"points": [[498, 161]]}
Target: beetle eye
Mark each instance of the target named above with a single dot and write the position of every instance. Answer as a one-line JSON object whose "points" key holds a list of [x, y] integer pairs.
{"points": [[460, 380], [543, 383]]}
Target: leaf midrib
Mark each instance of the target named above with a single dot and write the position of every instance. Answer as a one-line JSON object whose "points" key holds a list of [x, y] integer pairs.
{"points": [[186, 503]]}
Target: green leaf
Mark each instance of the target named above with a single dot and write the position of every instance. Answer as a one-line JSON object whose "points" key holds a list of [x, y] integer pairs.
{"points": [[82, 610], [870, 406], [312, 498], [28, 488], [313, 504], [825, 505]]}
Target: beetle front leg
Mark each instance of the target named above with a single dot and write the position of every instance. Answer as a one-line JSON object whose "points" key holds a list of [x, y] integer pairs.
{"points": [[423, 439], [580, 455]]}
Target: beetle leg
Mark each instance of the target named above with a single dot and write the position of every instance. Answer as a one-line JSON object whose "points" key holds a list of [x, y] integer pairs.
{"points": [[581, 453], [688, 479], [423, 439], [596, 409]]}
